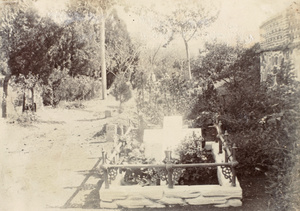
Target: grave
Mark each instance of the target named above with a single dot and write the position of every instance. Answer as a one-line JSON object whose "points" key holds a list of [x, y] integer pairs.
{"points": [[111, 132], [157, 141], [107, 113]]}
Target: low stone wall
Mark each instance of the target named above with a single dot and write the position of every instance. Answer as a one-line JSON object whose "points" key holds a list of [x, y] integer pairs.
{"points": [[161, 196]]}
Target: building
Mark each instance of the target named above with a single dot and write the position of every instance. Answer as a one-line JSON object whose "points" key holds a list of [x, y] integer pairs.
{"points": [[280, 41]]}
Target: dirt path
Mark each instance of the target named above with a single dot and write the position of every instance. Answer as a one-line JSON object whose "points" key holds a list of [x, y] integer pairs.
{"points": [[42, 164]]}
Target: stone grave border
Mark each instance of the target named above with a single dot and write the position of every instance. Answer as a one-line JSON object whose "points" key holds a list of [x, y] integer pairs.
{"points": [[227, 193]]}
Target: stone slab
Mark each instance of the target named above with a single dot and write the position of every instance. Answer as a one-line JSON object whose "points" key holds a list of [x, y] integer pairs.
{"points": [[171, 201], [134, 203], [108, 205], [230, 203], [184, 194], [109, 195], [153, 194], [156, 205], [206, 200]]}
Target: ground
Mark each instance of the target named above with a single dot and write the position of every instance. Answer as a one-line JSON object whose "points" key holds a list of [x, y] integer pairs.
{"points": [[43, 163]]}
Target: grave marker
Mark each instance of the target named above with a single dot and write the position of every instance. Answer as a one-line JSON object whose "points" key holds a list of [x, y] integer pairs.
{"points": [[157, 141], [107, 113], [111, 132]]}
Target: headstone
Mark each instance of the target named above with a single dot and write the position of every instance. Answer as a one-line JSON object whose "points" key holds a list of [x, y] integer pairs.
{"points": [[107, 113], [153, 140], [111, 132], [157, 141], [172, 132], [120, 130]]}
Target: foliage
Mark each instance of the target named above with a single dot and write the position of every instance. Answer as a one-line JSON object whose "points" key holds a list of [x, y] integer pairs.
{"points": [[26, 118], [98, 14], [27, 39], [52, 52], [64, 87], [191, 151], [261, 118], [75, 105], [188, 21], [121, 55], [168, 95], [121, 89]]}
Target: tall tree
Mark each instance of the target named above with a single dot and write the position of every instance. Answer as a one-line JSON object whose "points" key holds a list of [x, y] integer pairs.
{"points": [[188, 21], [98, 11], [121, 54], [26, 39]]}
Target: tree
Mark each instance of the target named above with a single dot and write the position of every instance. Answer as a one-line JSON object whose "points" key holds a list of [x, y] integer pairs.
{"points": [[227, 76], [121, 89], [117, 52], [261, 118], [14, 21], [214, 62], [97, 11], [188, 21], [121, 55], [30, 43]]}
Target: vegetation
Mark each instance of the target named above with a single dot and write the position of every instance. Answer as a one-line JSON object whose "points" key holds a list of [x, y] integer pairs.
{"points": [[266, 126], [62, 60], [121, 89]]}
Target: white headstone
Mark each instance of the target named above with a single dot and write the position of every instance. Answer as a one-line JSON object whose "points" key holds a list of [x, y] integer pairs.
{"points": [[169, 138], [153, 140], [172, 132]]}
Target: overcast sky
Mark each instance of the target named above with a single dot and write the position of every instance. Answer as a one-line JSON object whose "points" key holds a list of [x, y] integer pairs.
{"points": [[237, 19]]}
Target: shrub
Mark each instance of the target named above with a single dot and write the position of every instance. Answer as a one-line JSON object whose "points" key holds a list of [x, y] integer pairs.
{"points": [[62, 86], [121, 89], [168, 95], [263, 120]]}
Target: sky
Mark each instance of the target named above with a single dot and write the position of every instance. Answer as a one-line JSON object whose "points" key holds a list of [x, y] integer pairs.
{"points": [[238, 19]]}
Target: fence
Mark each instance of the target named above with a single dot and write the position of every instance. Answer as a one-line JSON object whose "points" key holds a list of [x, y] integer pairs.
{"points": [[230, 160]]}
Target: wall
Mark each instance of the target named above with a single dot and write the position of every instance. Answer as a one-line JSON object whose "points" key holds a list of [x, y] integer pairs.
{"points": [[280, 38]]}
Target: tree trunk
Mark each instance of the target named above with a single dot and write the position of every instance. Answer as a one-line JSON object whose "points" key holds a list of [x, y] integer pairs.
{"points": [[188, 58], [102, 55], [24, 102], [4, 97], [32, 100]]}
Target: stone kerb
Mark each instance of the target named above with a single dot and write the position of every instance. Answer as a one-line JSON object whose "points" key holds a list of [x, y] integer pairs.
{"points": [[136, 196], [220, 158], [161, 196]]}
